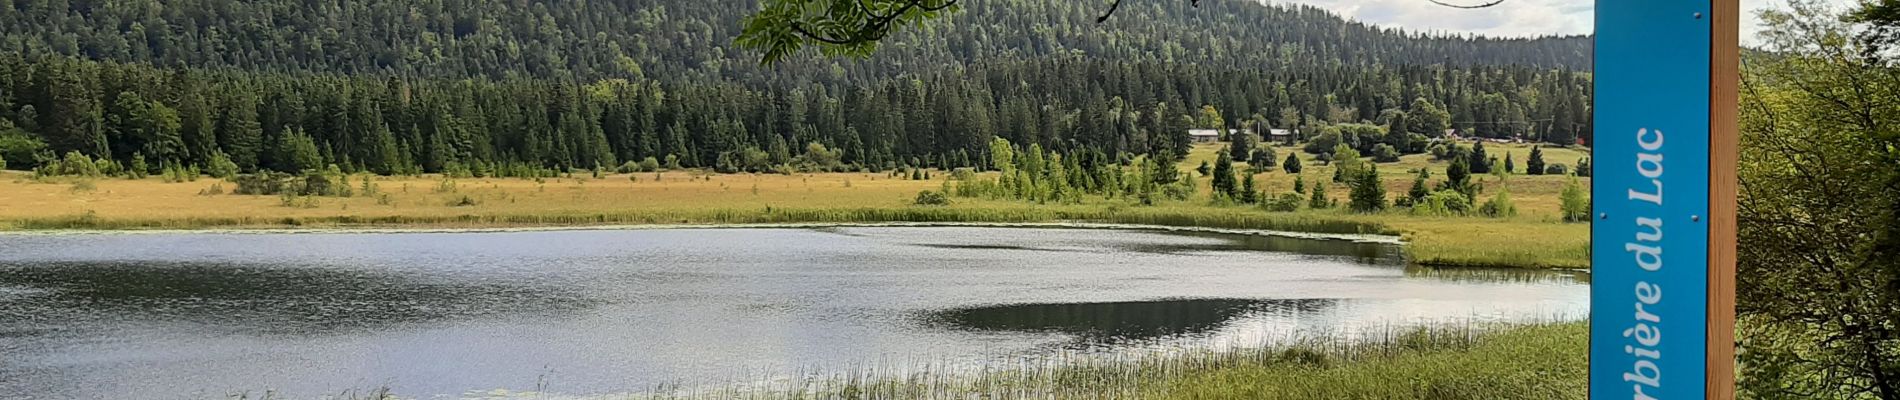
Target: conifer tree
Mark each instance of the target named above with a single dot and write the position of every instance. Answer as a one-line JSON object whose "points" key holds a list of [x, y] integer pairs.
{"points": [[1418, 192], [1248, 193], [1368, 192], [1479, 163], [1224, 184], [1292, 165], [1318, 201], [1535, 165]]}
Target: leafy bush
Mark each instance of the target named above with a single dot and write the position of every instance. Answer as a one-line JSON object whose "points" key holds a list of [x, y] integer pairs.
{"points": [[221, 167], [74, 164], [1385, 153], [1443, 203], [1287, 202], [139, 168], [1575, 202], [1556, 169], [1500, 206], [932, 198], [963, 174], [263, 183], [19, 147]]}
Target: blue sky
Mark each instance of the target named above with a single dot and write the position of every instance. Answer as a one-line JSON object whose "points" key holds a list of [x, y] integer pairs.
{"points": [[1511, 18]]}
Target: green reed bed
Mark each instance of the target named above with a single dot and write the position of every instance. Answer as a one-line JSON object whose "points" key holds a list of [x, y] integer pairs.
{"points": [[1547, 361]]}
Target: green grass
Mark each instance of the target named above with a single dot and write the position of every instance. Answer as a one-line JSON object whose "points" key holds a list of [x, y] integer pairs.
{"points": [[1522, 362]]}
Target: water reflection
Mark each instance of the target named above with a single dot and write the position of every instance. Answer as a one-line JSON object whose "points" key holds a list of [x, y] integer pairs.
{"points": [[262, 299], [1110, 323]]}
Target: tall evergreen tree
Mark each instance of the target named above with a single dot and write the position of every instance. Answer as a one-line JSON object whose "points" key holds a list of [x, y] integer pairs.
{"points": [[1535, 165], [1368, 191], [1224, 184], [1479, 162]]}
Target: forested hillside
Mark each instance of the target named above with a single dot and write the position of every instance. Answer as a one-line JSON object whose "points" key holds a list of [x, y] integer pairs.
{"points": [[677, 40], [428, 86]]}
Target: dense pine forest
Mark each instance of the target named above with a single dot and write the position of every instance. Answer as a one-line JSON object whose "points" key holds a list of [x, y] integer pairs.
{"points": [[408, 86]]}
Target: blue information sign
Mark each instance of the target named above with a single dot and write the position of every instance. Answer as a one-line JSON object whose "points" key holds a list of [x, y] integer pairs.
{"points": [[1649, 242]]}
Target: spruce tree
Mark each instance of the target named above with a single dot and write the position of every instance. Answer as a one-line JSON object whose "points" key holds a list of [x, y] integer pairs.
{"points": [[1248, 192], [1299, 184], [1242, 147], [1318, 201], [1224, 176], [1479, 162], [1510, 165], [1292, 165], [1419, 191], [1368, 193], [1535, 165], [1458, 177]]}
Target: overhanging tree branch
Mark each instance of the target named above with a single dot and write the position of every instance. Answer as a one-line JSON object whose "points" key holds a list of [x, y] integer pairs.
{"points": [[1492, 3]]}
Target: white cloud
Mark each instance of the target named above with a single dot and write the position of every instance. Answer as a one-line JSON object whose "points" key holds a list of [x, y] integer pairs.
{"points": [[1511, 18]]}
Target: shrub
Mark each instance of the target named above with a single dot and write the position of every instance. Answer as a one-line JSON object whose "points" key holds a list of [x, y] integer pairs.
{"points": [[1500, 206], [1287, 202], [74, 164], [262, 183], [139, 168], [1385, 153], [1556, 169], [83, 186], [455, 169], [215, 189], [932, 198], [19, 147], [1575, 202], [963, 174], [221, 167], [1443, 203], [464, 201]]}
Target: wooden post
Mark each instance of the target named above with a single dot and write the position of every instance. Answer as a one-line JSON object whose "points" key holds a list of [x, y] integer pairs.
{"points": [[1724, 78]]}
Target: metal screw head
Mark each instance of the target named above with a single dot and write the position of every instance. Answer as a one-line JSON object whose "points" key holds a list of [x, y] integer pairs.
{"points": [[1695, 218], [1698, 15], [1603, 215]]}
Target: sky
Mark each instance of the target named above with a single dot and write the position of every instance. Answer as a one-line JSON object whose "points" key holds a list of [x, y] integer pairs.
{"points": [[1510, 18]]}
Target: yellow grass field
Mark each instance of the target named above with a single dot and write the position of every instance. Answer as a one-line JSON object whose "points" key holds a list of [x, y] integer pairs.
{"points": [[1535, 238]]}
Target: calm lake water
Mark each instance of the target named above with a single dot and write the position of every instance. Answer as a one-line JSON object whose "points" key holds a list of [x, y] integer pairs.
{"points": [[603, 311]]}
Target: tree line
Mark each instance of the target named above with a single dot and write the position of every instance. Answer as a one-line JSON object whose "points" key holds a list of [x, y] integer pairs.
{"points": [[389, 124]]}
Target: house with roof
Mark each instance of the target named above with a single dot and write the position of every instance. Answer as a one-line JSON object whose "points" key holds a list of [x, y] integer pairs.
{"points": [[1205, 135]]}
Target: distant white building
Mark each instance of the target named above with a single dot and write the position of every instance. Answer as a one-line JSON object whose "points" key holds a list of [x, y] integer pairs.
{"points": [[1205, 135], [1279, 134]]}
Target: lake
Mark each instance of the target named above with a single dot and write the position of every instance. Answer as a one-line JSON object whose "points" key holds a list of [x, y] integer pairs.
{"points": [[614, 311]]}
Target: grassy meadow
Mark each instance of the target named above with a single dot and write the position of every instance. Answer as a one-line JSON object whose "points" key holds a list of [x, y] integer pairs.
{"points": [[1536, 237]]}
